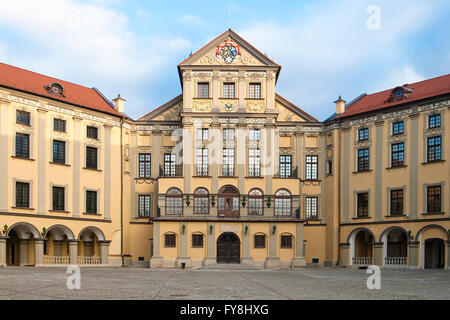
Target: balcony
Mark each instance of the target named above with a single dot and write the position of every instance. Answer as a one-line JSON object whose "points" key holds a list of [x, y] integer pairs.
{"points": [[173, 170], [212, 213], [396, 262], [362, 261], [286, 172]]}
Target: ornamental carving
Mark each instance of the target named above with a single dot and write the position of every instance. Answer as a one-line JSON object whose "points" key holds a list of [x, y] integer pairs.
{"points": [[202, 106], [256, 106]]}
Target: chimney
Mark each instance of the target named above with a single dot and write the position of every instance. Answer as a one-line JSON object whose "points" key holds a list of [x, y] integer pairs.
{"points": [[119, 103], [340, 105]]}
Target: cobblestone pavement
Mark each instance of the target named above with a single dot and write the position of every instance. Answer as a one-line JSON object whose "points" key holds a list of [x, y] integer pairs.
{"points": [[143, 283]]}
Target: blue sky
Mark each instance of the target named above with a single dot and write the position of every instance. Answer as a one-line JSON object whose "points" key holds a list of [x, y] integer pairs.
{"points": [[325, 47]]}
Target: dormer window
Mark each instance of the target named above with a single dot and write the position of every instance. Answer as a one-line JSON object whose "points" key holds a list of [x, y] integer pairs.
{"points": [[399, 93], [56, 89]]}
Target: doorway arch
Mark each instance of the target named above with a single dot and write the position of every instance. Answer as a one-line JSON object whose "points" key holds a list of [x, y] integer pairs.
{"points": [[228, 248], [434, 253]]}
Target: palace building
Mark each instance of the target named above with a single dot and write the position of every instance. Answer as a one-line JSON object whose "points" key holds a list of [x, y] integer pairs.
{"points": [[229, 171]]}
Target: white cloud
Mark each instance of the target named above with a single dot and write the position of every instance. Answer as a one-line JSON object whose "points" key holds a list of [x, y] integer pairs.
{"points": [[91, 43], [191, 20], [330, 47]]}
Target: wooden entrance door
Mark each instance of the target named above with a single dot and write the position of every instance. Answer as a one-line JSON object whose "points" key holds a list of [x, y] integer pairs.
{"points": [[228, 248]]}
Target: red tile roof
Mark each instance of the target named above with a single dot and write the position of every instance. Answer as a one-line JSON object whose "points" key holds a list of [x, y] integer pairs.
{"points": [[379, 100], [35, 83]]}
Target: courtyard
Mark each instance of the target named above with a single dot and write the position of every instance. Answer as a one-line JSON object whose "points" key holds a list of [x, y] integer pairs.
{"points": [[232, 283]]}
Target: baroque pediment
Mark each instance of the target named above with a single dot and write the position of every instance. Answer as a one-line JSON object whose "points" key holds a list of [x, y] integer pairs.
{"points": [[288, 112], [228, 49], [169, 111]]}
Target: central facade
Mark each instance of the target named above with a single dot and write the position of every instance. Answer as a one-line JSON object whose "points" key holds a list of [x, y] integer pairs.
{"points": [[229, 168]]}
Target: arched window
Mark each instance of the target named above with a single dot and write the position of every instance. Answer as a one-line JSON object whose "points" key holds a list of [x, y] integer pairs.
{"points": [[174, 201], [283, 203], [255, 202], [201, 201], [228, 201]]}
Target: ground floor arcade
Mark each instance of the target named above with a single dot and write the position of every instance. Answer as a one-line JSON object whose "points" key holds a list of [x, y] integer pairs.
{"points": [[418, 245]]}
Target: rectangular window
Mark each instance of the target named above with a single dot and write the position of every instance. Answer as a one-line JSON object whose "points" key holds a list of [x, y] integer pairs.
{"points": [[22, 145], [434, 149], [260, 241], [92, 132], [170, 240], [311, 207], [23, 117], [59, 151], [434, 199], [228, 90], [91, 201], [202, 162], [228, 162], [228, 134], [286, 241], [144, 165], [197, 241], [397, 127], [285, 166], [363, 159], [58, 195], [396, 202], [59, 125], [363, 134], [434, 121], [91, 158], [203, 90], [362, 204], [22, 195], [397, 154], [144, 206], [329, 167], [254, 162], [311, 167], [202, 134], [254, 135], [169, 165], [255, 91]]}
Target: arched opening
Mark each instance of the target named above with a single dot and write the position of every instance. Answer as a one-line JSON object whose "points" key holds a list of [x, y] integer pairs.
{"points": [[228, 248], [434, 254], [20, 244], [228, 201], [56, 245], [283, 203], [174, 202], [361, 246], [201, 201], [88, 246], [395, 247], [255, 203]]}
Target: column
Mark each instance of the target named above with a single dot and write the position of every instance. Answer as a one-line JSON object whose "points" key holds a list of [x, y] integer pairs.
{"points": [[183, 258], [3, 242], [4, 152], [76, 165], [211, 245], [246, 242], [447, 242], [73, 251], [413, 256], [103, 246], [155, 163], [242, 91], [156, 259], [299, 260], [187, 91], [107, 174], [270, 91], [379, 169], [346, 195], [38, 252], [378, 253], [42, 163], [133, 175], [345, 254], [187, 156], [272, 261], [23, 244], [268, 155], [241, 156], [413, 166]]}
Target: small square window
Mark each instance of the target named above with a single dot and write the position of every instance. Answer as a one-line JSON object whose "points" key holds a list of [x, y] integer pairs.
{"points": [[59, 125], [170, 240], [363, 134], [260, 241], [92, 132], [286, 241], [434, 121], [23, 117], [197, 241]]}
